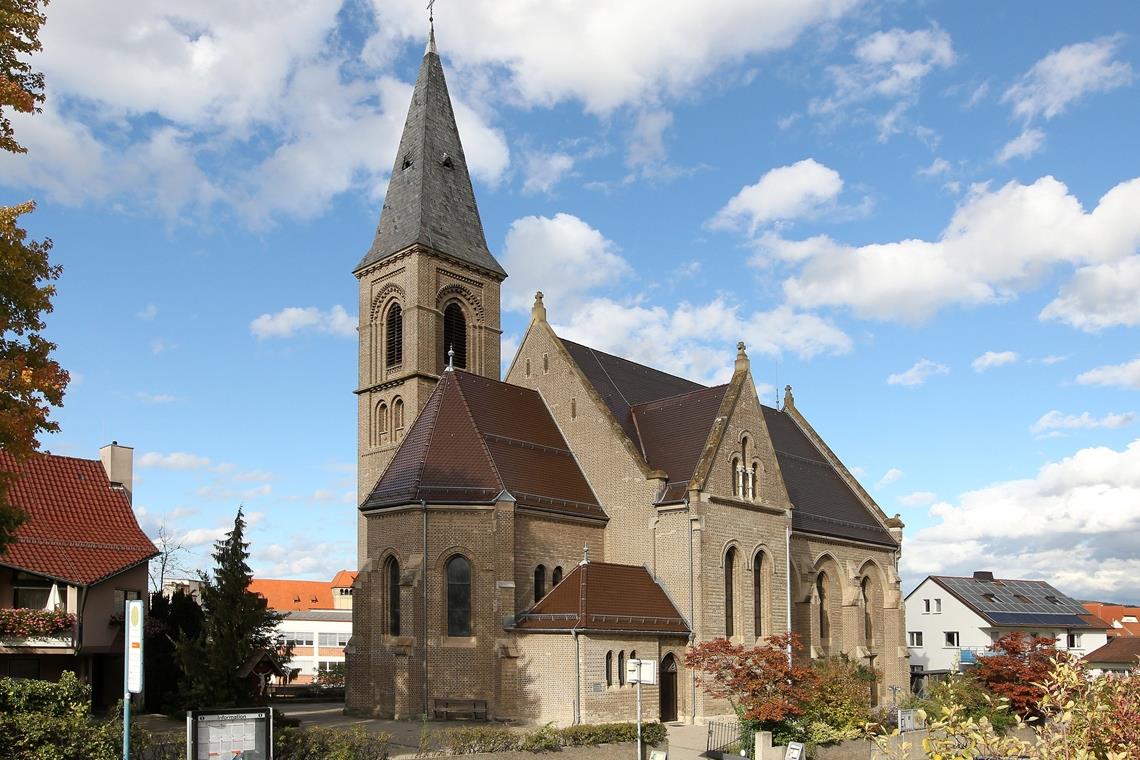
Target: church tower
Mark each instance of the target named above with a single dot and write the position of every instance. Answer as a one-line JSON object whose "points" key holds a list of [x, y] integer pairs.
{"points": [[428, 283]]}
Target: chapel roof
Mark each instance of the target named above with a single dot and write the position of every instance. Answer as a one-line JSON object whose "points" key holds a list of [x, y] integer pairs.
{"points": [[670, 420], [430, 201], [79, 528], [477, 438], [599, 596]]}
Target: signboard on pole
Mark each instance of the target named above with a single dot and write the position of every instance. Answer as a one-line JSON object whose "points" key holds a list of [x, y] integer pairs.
{"points": [[236, 733], [134, 645], [641, 671], [795, 751]]}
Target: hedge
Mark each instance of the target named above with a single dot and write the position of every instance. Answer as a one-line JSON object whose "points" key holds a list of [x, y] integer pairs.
{"points": [[470, 740]]}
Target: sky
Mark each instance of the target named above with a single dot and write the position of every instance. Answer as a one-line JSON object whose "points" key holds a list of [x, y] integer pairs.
{"points": [[925, 217]]}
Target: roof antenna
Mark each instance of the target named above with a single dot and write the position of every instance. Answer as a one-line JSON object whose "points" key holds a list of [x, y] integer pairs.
{"points": [[451, 358]]}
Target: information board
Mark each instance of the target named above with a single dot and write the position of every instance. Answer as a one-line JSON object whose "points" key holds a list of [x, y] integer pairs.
{"points": [[641, 671], [795, 751], [134, 614], [229, 734]]}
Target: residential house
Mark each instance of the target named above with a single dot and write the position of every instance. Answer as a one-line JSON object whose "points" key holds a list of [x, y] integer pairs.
{"points": [[951, 621], [317, 622], [79, 554], [1122, 620], [1120, 656]]}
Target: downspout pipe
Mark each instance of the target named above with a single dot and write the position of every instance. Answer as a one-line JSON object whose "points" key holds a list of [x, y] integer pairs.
{"points": [[692, 614], [577, 677], [788, 560], [423, 510]]}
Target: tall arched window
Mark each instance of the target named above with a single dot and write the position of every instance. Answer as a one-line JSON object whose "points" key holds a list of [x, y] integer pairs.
{"points": [[455, 335], [824, 620], [381, 423], [758, 570], [556, 576], [394, 343], [729, 588], [752, 481], [610, 668], [539, 582], [735, 476], [621, 668], [393, 573], [397, 419], [458, 596], [868, 625]]}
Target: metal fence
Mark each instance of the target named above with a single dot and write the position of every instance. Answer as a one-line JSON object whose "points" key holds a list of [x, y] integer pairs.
{"points": [[729, 739]]}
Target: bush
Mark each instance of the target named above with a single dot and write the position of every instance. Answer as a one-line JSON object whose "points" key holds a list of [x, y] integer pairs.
{"points": [[971, 696], [588, 735], [473, 739], [42, 720], [469, 740], [331, 744]]}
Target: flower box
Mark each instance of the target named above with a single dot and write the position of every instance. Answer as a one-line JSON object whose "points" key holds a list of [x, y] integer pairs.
{"points": [[36, 624]]}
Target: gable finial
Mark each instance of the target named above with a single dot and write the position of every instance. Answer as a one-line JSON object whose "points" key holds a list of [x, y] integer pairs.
{"points": [[742, 363], [538, 311], [450, 359], [789, 400], [585, 555]]}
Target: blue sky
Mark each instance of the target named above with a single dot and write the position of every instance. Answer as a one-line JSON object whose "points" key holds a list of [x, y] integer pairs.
{"points": [[923, 216]]}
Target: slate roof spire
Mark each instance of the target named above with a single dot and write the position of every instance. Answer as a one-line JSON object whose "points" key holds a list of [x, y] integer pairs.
{"points": [[429, 200]]}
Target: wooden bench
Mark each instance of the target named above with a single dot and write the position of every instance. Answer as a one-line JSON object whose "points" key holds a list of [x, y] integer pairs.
{"points": [[459, 709]]}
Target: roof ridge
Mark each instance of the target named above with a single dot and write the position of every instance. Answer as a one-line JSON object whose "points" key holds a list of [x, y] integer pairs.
{"points": [[676, 396], [479, 433], [593, 350]]}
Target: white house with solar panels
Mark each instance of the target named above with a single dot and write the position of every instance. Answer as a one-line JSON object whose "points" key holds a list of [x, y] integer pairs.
{"points": [[952, 621]]}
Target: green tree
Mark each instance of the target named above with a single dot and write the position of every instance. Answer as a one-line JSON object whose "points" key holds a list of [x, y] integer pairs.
{"points": [[237, 625], [31, 382]]}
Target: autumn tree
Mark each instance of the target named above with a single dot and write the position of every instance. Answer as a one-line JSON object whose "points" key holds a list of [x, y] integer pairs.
{"points": [[31, 382], [1015, 668], [237, 625]]}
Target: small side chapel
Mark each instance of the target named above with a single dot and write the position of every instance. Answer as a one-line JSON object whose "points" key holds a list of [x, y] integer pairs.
{"points": [[520, 541]]}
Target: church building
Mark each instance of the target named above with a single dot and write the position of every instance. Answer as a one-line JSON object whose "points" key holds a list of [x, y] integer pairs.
{"points": [[520, 541]]}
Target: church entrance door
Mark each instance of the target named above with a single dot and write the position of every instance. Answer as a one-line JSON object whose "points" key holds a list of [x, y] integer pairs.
{"points": [[668, 688]]}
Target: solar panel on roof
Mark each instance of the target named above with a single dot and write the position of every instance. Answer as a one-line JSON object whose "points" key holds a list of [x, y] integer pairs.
{"points": [[1015, 597]]}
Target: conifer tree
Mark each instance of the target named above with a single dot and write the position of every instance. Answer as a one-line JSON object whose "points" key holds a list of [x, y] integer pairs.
{"points": [[237, 625]]}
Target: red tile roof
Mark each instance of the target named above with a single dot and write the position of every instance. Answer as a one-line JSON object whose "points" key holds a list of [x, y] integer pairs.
{"points": [[343, 579], [672, 433], [1121, 619], [79, 529], [599, 596], [476, 438], [290, 595]]}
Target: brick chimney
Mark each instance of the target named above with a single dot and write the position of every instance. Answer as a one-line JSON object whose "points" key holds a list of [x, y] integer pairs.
{"points": [[118, 461]]}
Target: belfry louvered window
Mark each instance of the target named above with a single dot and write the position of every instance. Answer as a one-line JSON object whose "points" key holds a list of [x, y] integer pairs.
{"points": [[455, 335], [394, 336]]}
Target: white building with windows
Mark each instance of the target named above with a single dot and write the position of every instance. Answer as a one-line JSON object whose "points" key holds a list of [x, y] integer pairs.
{"points": [[317, 622], [951, 621]]}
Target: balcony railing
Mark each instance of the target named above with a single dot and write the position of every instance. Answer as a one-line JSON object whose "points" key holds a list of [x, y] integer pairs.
{"points": [[37, 628]]}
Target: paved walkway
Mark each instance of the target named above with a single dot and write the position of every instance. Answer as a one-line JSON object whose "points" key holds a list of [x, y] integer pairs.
{"points": [[686, 742]]}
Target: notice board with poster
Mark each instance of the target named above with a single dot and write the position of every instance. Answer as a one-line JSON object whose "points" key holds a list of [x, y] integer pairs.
{"points": [[234, 734]]}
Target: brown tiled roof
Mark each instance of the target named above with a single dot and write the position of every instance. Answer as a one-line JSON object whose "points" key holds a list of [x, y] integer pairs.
{"points": [[672, 433], [476, 438], [1122, 649], [823, 502], [598, 596], [79, 528]]}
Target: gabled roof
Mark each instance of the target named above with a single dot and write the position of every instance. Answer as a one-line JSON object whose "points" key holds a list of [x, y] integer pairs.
{"points": [[477, 438], [823, 502], [598, 596], [285, 595], [429, 200], [1015, 603], [79, 528], [343, 579], [1121, 619], [1120, 650], [669, 419]]}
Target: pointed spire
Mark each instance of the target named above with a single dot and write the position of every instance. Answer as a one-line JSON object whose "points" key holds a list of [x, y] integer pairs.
{"points": [[742, 363], [538, 311], [430, 201]]}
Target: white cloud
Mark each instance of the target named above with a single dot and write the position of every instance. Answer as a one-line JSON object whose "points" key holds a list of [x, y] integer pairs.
{"points": [[562, 256], [149, 312], [1056, 420], [294, 320], [938, 166], [1024, 145], [890, 476], [1052, 359], [176, 460], [219, 493], [545, 170], [1099, 296], [783, 193], [888, 66], [997, 244], [918, 374], [918, 498], [1125, 375], [993, 359], [155, 398], [603, 54], [202, 536], [1073, 523], [160, 346], [698, 340], [1067, 75]]}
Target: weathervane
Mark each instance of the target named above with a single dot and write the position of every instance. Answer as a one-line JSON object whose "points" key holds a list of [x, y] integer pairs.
{"points": [[431, 12]]}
